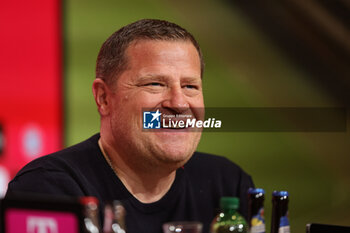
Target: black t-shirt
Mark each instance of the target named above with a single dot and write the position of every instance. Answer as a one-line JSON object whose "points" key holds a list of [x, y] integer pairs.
{"points": [[82, 170]]}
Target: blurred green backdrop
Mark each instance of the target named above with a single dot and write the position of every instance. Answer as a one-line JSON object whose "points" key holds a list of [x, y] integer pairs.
{"points": [[243, 69]]}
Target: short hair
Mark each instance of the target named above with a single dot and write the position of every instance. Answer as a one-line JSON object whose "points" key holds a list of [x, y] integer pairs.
{"points": [[111, 60]]}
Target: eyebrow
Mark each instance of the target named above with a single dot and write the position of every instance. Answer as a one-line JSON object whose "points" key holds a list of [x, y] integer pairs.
{"points": [[157, 77], [191, 79], [152, 77]]}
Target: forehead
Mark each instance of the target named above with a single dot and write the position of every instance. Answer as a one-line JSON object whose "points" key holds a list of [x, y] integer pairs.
{"points": [[157, 43], [161, 47], [180, 53]]}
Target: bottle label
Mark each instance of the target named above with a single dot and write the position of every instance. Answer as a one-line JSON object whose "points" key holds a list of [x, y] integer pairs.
{"points": [[285, 229], [258, 222], [284, 225]]}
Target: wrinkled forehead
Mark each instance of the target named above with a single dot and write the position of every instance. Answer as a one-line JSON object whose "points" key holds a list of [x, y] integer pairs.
{"points": [[181, 55], [149, 46]]}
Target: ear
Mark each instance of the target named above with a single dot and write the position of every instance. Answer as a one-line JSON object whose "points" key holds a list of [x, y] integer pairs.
{"points": [[101, 92]]}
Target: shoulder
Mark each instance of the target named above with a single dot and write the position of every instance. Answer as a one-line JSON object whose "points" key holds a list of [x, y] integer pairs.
{"points": [[213, 177], [59, 172], [66, 159]]}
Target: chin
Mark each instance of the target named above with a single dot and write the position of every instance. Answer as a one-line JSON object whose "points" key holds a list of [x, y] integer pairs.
{"points": [[176, 150], [177, 156]]}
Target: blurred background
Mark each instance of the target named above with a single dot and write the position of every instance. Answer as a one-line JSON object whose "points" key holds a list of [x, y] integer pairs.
{"points": [[286, 53]]}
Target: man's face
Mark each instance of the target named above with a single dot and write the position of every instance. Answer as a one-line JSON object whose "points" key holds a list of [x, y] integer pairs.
{"points": [[162, 75]]}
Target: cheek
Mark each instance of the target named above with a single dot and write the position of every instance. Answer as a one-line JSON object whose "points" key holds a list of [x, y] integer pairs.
{"points": [[197, 101], [149, 100], [200, 101]]}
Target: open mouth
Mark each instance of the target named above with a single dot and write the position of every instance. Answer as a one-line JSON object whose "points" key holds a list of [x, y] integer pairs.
{"points": [[175, 123]]}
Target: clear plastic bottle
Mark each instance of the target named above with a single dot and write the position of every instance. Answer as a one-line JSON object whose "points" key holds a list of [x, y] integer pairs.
{"points": [[91, 214], [114, 221], [229, 220]]}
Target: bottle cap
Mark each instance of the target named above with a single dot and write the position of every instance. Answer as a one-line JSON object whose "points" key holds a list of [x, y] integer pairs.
{"points": [[88, 199], [256, 190], [280, 194], [229, 203]]}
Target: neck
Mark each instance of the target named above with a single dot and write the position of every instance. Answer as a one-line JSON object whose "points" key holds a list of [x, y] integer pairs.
{"points": [[145, 185]]}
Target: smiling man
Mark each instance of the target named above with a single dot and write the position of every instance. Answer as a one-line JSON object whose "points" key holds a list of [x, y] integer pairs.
{"points": [[158, 176]]}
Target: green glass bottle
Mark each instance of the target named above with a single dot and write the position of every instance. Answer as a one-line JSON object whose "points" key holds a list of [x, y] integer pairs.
{"points": [[229, 220]]}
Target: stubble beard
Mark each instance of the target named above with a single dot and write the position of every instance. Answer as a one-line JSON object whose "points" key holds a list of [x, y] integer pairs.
{"points": [[155, 159], [144, 155]]}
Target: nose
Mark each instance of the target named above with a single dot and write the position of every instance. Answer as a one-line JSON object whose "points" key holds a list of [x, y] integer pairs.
{"points": [[175, 100]]}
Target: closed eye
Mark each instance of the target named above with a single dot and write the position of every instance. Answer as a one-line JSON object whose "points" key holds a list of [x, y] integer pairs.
{"points": [[190, 86], [155, 84]]}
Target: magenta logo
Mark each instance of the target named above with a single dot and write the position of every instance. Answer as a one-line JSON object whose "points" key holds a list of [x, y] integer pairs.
{"points": [[38, 221], [41, 225]]}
